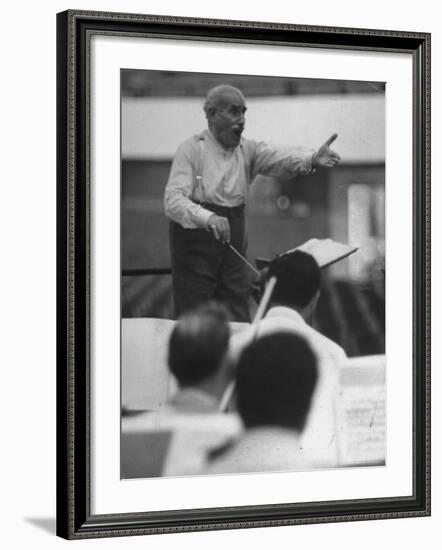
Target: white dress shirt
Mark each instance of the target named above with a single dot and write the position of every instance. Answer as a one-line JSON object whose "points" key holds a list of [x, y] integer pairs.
{"points": [[193, 427], [203, 171], [261, 449], [318, 440]]}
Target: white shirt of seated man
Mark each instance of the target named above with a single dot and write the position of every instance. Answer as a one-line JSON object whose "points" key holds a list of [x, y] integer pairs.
{"points": [[318, 441], [193, 434], [198, 428]]}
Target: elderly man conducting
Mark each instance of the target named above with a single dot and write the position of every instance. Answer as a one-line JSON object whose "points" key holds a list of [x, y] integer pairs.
{"points": [[205, 197]]}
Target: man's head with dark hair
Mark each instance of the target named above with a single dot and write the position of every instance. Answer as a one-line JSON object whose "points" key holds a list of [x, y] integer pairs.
{"points": [[276, 378], [198, 344], [298, 279]]}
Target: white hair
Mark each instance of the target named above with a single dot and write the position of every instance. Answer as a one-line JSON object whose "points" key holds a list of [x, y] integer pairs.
{"points": [[215, 94]]}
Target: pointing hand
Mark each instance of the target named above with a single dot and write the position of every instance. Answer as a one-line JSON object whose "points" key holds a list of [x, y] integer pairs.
{"points": [[324, 156]]}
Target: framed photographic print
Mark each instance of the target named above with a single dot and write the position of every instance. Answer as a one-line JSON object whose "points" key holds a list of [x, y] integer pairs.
{"points": [[243, 274]]}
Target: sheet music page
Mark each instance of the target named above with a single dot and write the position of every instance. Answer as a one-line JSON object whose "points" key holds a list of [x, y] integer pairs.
{"points": [[326, 251], [361, 421], [361, 416]]}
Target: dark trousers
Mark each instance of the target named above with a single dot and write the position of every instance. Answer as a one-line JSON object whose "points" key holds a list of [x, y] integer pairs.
{"points": [[205, 269]]}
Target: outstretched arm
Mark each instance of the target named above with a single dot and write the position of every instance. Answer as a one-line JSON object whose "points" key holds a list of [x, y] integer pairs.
{"points": [[283, 162], [278, 162]]}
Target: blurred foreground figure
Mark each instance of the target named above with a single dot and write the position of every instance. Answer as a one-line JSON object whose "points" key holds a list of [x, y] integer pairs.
{"points": [[291, 308], [197, 350], [276, 378], [205, 197], [190, 426]]}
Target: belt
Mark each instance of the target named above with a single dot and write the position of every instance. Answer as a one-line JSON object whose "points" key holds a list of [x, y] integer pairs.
{"points": [[226, 211]]}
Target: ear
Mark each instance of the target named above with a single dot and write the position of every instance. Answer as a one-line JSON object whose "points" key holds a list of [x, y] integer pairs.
{"points": [[309, 310], [315, 300]]}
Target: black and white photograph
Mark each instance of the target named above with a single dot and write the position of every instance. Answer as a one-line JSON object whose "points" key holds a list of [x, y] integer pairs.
{"points": [[222, 264], [243, 305], [253, 266]]}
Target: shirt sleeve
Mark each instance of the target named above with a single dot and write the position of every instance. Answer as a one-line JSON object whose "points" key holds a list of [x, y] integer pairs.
{"points": [[179, 189], [280, 162]]}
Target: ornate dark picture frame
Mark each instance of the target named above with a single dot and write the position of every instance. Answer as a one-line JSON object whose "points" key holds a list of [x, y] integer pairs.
{"points": [[74, 31]]}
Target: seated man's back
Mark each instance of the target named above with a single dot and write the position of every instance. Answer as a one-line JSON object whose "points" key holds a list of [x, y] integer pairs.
{"points": [[276, 378], [177, 439], [170, 443]]}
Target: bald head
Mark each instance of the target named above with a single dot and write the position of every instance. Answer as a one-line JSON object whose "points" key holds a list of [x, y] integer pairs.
{"points": [[225, 107], [222, 95]]}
